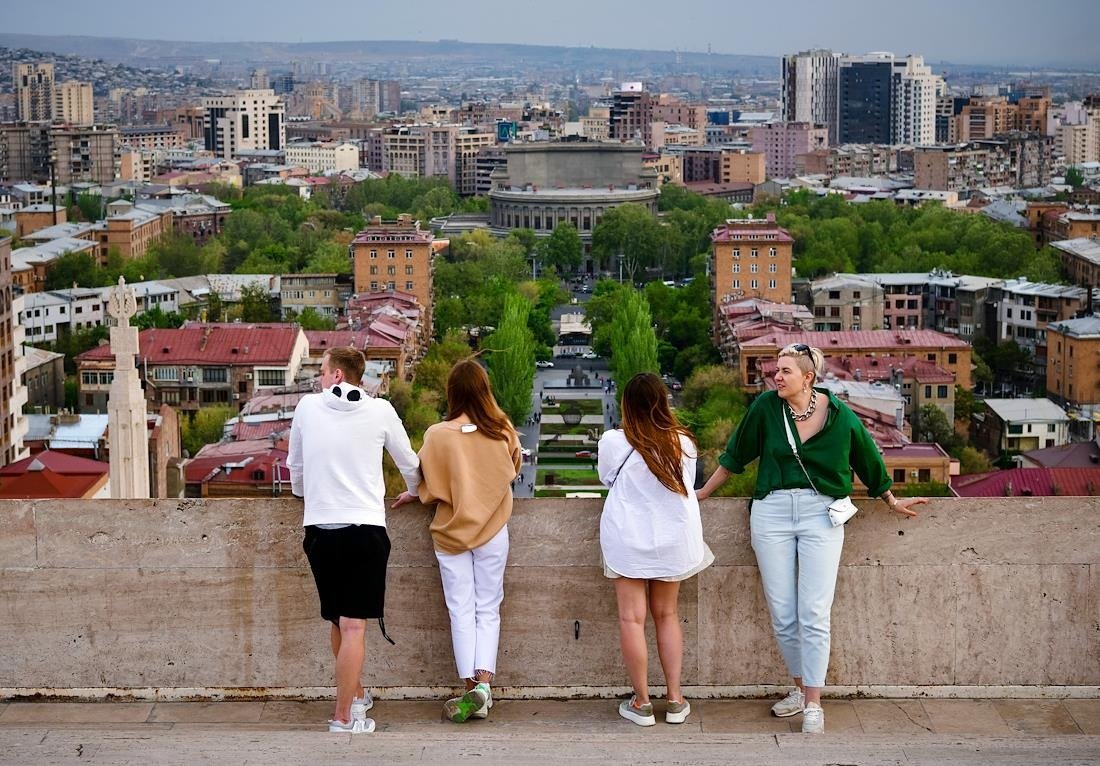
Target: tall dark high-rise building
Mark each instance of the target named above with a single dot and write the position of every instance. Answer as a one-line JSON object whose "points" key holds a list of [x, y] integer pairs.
{"points": [[864, 103]]}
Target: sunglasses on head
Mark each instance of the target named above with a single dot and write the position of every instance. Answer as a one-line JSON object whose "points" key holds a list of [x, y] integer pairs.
{"points": [[800, 348]]}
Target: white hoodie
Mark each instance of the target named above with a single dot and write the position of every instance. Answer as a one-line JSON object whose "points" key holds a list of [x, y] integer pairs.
{"points": [[335, 459]]}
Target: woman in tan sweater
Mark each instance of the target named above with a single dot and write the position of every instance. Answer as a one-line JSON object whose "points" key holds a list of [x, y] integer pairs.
{"points": [[469, 461]]}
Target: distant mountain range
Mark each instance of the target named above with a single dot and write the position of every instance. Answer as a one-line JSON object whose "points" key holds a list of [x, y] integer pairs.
{"points": [[410, 54]]}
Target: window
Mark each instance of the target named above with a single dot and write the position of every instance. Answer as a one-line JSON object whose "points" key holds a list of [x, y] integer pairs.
{"points": [[930, 357], [754, 284], [834, 311], [408, 254], [736, 284], [409, 286], [1015, 428], [106, 378], [899, 475], [373, 269], [952, 358], [373, 254], [911, 305], [772, 268], [754, 268], [270, 377], [941, 392], [737, 268], [753, 253], [409, 270], [165, 373], [215, 375], [772, 283], [856, 294], [88, 378], [736, 252], [391, 270], [390, 254], [928, 392], [855, 311], [374, 285], [771, 252]]}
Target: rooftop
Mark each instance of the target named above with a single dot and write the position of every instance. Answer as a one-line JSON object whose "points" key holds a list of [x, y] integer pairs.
{"points": [[211, 344], [858, 339], [1026, 409]]}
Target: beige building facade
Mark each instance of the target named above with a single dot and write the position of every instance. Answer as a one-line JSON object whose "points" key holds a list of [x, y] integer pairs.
{"points": [[752, 259]]}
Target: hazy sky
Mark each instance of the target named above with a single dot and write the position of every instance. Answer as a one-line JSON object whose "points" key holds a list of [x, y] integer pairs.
{"points": [[1050, 32]]}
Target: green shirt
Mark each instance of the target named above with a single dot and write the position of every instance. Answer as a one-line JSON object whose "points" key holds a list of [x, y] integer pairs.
{"points": [[842, 445]]}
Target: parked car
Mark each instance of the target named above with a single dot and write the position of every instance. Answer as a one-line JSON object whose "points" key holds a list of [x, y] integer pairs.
{"points": [[544, 363], [586, 453], [590, 355], [677, 385]]}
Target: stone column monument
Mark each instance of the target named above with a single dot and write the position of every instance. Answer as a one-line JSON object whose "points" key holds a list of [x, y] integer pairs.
{"points": [[126, 406]]}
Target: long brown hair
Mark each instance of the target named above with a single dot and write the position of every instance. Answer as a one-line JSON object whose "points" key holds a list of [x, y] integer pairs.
{"points": [[469, 394], [653, 430]]}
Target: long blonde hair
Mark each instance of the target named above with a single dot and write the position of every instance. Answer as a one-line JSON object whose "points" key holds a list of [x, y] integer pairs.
{"points": [[469, 394], [652, 429]]}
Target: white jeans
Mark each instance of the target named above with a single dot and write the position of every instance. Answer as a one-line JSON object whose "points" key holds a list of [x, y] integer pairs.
{"points": [[473, 585], [798, 552]]}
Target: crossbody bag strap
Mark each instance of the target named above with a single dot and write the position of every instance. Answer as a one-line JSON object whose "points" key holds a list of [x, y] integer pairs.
{"points": [[620, 469], [794, 449]]}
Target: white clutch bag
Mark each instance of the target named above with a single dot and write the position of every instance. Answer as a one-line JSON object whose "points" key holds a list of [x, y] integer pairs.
{"points": [[840, 510]]}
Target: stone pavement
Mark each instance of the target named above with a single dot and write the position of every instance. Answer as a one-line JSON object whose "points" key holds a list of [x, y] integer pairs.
{"points": [[865, 732]]}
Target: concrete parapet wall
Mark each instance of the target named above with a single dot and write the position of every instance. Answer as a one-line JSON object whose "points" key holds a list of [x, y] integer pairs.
{"points": [[216, 594]]}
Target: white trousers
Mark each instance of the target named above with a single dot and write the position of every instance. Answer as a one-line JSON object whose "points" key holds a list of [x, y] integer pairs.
{"points": [[473, 585]]}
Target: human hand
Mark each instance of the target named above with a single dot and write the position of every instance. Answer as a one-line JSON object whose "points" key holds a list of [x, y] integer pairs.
{"points": [[405, 498], [904, 505]]}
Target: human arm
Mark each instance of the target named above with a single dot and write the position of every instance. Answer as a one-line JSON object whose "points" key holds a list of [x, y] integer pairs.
{"points": [[404, 498], [716, 480], [294, 459], [867, 462], [400, 449], [902, 505]]}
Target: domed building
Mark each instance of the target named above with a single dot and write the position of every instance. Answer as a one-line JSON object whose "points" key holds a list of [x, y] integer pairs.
{"points": [[544, 184]]}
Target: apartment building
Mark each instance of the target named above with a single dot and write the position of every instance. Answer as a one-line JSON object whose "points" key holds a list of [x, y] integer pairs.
{"points": [[855, 160], [30, 266], [13, 393], [44, 378], [1018, 160], [809, 90], [33, 86], [321, 157], [719, 164], [199, 364], [1025, 309], [752, 259], [82, 153], [941, 350], [324, 293], [45, 316], [1073, 373], [1020, 425], [72, 103], [847, 302], [131, 228], [247, 119], [1074, 224], [885, 100], [1081, 259], [426, 151], [782, 142], [152, 137], [990, 116], [395, 255]]}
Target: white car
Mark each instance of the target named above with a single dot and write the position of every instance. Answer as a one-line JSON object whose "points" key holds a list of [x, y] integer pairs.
{"points": [[544, 363], [590, 355]]}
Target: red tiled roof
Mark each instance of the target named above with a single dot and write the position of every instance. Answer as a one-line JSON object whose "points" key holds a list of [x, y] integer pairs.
{"points": [[872, 368], [249, 431], [1033, 482], [210, 344], [205, 470], [51, 474], [831, 341]]}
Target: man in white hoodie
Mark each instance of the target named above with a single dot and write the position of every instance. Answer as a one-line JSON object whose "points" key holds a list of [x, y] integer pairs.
{"points": [[335, 461]]}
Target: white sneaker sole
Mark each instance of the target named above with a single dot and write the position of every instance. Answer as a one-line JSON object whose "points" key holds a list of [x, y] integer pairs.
{"points": [[640, 720], [678, 717], [786, 714]]}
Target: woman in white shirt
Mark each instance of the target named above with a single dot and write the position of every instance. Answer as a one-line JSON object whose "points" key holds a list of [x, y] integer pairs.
{"points": [[651, 536]]}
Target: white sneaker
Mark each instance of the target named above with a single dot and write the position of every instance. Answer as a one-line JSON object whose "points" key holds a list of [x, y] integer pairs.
{"points": [[483, 711], [790, 705], [641, 714], [354, 726], [813, 719], [360, 705]]}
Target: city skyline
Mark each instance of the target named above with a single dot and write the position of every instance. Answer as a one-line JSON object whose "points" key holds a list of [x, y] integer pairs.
{"points": [[939, 30]]}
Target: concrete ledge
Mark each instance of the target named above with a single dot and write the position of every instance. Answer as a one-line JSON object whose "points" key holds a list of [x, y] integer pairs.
{"points": [[191, 598]]}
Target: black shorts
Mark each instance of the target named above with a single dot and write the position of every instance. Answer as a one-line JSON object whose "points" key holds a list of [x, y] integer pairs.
{"points": [[349, 567]]}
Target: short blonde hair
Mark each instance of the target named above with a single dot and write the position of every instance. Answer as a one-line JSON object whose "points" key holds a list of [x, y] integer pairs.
{"points": [[808, 358], [350, 360]]}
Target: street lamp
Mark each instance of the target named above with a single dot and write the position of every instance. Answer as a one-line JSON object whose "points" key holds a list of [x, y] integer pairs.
{"points": [[620, 257], [53, 185]]}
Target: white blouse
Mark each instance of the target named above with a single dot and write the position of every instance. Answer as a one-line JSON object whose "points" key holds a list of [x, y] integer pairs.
{"points": [[647, 531]]}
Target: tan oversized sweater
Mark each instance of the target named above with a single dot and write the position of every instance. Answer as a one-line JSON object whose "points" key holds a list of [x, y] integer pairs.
{"points": [[468, 476]]}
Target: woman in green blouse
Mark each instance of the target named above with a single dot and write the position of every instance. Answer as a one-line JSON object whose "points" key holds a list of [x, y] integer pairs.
{"points": [[797, 547]]}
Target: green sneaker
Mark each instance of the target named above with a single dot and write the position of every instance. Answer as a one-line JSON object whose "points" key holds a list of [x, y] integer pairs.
{"points": [[639, 714], [459, 709]]}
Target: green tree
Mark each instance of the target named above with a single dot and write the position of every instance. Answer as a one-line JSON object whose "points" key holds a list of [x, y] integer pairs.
{"points": [[79, 269], [206, 426], [255, 304], [512, 359], [562, 249], [633, 339], [215, 308], [178, 256], [310, 319], [630, 231], [329, 258], [932, 426], [157, 318], [1074, 177], [90, 206], [973, 460]]}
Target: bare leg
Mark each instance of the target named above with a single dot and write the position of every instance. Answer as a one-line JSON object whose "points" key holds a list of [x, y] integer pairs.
{"points": [[813, 693], [349, 665], [631, 595], [334, 638], [663, 603]]}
